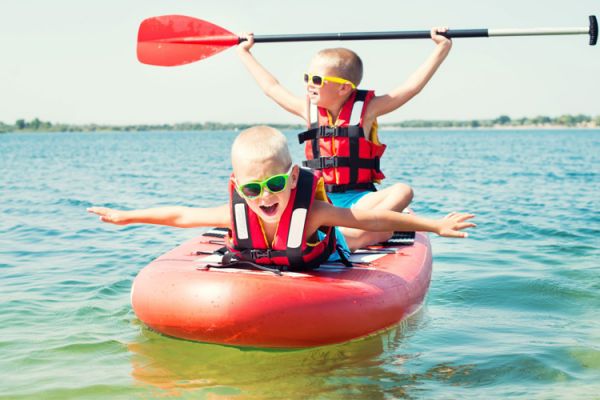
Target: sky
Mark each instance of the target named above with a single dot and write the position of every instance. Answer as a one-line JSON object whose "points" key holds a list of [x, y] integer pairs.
{"points": [[74, 61]]}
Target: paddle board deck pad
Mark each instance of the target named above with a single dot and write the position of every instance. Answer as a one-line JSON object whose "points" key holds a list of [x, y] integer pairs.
{"points": [[180, 295]]}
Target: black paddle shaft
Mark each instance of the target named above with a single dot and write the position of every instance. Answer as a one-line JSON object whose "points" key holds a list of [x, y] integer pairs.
{"points": [[313, 37], [591, 30]]}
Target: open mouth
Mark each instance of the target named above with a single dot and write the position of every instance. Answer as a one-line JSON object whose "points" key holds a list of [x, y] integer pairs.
{"points": [[269, 210]]}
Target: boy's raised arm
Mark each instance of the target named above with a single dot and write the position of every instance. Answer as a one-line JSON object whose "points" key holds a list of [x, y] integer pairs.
{"points": [[268, 83], [384, 104], [181, 217], [388, 221]]}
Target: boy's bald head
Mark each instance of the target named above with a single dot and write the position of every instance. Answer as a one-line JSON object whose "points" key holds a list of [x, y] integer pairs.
{"points": [[345, 62], [260, 144]]}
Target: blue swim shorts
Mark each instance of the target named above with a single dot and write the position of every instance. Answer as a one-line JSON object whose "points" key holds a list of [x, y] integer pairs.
{"points": [[347, 199], [342, 246]]}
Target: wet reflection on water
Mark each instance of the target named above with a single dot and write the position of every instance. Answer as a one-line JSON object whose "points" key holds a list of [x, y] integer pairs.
{"points": [[370, 368]]}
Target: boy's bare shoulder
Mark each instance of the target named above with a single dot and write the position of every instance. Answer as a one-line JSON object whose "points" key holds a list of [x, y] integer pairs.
{"points": [[320, 206], [319, 212]]}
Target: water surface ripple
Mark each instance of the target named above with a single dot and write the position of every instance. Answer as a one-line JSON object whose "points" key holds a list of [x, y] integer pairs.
{"points": [[512, 311]]}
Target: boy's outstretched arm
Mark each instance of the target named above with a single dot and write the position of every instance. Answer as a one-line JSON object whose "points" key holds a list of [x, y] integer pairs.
{"points": [[387, 221], [268, 83], [181, 217], [384, 104]]}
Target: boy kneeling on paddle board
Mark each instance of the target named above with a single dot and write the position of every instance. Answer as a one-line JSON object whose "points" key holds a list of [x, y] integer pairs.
{"points": [[279, 214]]}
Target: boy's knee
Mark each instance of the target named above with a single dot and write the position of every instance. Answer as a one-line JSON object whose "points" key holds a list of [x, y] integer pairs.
{"points": [[403, 191]]}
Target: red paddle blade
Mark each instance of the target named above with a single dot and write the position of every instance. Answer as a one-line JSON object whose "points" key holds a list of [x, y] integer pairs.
{"points": [[171, 40]]}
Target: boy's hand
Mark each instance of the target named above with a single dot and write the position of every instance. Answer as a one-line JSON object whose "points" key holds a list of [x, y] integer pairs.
{"points": [[248, 43], [453, 223], [109, 215], [439, 39]]}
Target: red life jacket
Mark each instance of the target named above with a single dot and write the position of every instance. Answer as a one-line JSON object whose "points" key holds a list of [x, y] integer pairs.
{"points": [[340, 150], [289, 250]]}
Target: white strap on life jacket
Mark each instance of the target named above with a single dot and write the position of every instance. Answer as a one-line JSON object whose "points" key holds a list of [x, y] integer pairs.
{"points": [[296, 232], [241, 225], [356, 113]]}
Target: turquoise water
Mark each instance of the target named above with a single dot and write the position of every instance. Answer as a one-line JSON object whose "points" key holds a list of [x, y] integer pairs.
{"points": [[513, 311]]}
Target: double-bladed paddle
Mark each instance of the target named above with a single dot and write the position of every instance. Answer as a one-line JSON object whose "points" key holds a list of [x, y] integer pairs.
{"points": [[171, 40]]}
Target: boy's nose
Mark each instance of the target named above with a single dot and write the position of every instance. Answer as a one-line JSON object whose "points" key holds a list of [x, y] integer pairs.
{"points": [[266, 194]]}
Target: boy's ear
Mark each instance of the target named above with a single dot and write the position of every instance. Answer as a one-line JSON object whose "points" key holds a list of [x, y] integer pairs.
{"points": [[294, 177], [345, 89]]}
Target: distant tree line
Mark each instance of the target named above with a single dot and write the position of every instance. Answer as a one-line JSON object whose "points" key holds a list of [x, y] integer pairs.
{"points": [[44, 126], [566, 120]]}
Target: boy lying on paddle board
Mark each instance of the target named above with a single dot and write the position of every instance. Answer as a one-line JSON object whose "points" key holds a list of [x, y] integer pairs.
{"points": [[279, 213], [344, 144]]}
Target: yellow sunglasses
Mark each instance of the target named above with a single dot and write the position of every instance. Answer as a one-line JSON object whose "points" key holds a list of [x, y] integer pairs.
{"points": [[320, 80]]}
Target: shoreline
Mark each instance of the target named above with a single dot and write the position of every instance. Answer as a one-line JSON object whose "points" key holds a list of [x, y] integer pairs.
{"points": [[382, 128], [566, 121], [490, 128]]}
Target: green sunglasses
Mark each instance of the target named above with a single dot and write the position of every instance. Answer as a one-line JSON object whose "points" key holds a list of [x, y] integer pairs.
{"points": [[273, 184]]}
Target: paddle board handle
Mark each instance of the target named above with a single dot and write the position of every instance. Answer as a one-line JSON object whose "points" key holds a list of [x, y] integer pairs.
{"points": [[592, 31]]}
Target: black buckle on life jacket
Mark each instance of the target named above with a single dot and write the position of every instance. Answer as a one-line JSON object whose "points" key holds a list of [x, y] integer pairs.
{"points": [[259, 253], [328, 131], [322, 162], [328, 162]]}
